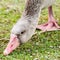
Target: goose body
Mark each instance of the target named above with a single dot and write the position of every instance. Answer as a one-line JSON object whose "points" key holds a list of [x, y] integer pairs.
{"points": [[47, 3]]}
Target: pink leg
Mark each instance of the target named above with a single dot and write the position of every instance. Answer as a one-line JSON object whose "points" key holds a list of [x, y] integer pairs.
{"points": [[51, 24]]}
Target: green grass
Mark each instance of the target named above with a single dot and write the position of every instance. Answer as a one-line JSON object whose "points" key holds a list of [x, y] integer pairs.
{"points": [[45, 46]]}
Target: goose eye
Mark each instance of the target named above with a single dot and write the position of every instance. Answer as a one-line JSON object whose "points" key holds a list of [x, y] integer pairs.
{"points": [[23, 32]]}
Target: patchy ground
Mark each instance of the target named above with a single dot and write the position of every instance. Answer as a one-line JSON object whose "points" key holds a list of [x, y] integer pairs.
{"points": [[45, 46]]}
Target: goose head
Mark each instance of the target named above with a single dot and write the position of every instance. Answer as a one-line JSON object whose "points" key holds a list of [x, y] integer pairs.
{"points": [[21, 32]]}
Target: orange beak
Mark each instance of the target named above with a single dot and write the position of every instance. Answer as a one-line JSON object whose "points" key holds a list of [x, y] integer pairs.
{"points": [[12, 45]]}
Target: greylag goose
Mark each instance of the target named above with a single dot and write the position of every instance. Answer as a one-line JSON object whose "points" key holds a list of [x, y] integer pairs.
{"points": [[25, 27]]}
